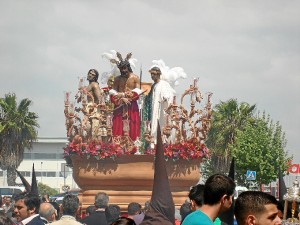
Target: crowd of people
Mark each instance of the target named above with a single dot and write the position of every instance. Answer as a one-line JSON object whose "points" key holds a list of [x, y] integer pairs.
{"points": [[30, 209], [205, 203]]}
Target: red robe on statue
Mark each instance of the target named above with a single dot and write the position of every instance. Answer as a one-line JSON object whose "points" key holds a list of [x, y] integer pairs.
{"points": [[133, 116]]}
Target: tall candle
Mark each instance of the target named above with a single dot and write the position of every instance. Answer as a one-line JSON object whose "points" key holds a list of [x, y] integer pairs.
{"points": [[72, 109], [195, 82], [81, 83], [67, 97]]}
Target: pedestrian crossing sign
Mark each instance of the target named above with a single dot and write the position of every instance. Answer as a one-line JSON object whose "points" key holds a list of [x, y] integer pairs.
{"points": [[251, 175]]}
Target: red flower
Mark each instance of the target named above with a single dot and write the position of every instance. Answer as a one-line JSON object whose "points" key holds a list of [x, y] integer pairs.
{"points": [[184, 150]]}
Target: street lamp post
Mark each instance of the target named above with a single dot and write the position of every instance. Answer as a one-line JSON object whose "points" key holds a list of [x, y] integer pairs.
{"points": [[41, 172], [65, 188], [64, 174]]}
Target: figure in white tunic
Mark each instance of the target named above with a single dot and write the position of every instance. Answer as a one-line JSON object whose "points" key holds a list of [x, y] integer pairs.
{"points": [[159, 98]]}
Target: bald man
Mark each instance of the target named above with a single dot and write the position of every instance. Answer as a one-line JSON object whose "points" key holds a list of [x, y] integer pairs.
{"points": [[47, 212]]}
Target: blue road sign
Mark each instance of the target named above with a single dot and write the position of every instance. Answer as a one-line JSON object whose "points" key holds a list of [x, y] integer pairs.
{"points": [[251, 175]]}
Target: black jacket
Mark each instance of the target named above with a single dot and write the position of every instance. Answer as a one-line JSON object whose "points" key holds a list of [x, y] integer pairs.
{"points": [[36, 221], [96, 218]]}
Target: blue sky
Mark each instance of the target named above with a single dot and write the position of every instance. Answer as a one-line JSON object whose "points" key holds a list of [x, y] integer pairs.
{"points": [[248, 50]]}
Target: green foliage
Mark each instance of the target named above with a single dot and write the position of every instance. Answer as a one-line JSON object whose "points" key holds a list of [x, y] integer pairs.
{"points": [[227, 119], [45, 189], [255, 141], [260, 147], [17, 132]]}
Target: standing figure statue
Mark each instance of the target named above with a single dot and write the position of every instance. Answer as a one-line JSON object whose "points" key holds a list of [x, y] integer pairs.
{"points": [[93, 86], [124, 95], [159, 98], [92, 116]]}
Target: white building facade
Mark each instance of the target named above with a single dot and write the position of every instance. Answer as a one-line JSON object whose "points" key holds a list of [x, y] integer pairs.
{"points": [[50, 166]]}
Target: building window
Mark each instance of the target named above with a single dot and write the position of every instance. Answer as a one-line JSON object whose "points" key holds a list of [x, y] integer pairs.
{"points": [[25, 173], [44, 155], [51, 174], [27, 155], [38, 155], [39, 174], [1, 173], [46, 174]]}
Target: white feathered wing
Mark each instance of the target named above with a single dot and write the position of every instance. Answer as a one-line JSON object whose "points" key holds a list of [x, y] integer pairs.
{"points": [[170, 75]]}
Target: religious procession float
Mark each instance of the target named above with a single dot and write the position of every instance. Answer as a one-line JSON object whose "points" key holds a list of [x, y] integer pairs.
{"points": [[291, 199], [112, 128]]}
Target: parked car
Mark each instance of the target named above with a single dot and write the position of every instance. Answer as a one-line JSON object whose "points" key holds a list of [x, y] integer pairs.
{"points": [[59, 197], [238, 190], [11, 190]]}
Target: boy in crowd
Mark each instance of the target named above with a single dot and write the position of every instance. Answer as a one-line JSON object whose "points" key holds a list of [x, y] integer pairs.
{"points": [[256, 208]]}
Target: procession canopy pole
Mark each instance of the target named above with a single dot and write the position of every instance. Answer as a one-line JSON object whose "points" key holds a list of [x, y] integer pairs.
{"points": [[141, 74], [285, 209], [141, 108]]}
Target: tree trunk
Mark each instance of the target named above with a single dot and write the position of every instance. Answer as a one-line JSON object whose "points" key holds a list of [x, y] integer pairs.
{"points": [[11, 176], [220, 164]]}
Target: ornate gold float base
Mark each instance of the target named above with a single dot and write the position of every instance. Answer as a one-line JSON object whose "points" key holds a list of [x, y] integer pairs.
{"points": [[129, 178]]}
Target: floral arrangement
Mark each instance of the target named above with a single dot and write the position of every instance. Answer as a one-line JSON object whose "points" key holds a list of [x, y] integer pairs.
{"points": [[186, 150], [101, 150]]}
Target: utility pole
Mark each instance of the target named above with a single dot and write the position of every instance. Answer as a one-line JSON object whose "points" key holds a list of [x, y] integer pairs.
{"points": [[41, 172], [64, 174]]}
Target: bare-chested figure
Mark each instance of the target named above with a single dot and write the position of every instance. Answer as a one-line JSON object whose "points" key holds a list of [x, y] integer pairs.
{"points": [[92, 118], [125, 94], [93, 86]]}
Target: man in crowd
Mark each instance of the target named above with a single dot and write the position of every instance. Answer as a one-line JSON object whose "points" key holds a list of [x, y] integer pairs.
{"points": [[256, 208], [196, 196], [185, 209], [112, 213], [135, 212], [196, 201], [26, 209], [47, 212], [8, 206], [70, 206], [98, 217], [45, 198], [1, 203], [89, 210], [218, 197], [57, 208]]}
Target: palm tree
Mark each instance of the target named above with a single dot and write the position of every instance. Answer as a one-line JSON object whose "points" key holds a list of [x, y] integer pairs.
{"points": [[227, 118], [17, 132]]}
